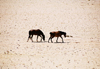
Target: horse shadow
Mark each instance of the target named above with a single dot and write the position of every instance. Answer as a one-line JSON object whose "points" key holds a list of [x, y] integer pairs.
{"points": [[49, 42], [39, 42], [59, 42]]}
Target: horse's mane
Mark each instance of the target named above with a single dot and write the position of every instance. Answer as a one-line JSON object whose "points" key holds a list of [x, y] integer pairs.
{"points": [[62, 32]]}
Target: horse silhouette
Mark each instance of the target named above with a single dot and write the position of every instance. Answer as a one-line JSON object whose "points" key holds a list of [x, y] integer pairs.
{"points": [[57, 34], [37, 32]]}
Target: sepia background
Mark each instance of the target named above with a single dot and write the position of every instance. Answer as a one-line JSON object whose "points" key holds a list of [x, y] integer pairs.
{"points": [[78, 18]]}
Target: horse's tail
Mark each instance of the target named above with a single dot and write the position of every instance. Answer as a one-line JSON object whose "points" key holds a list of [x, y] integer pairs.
{"points": [[42, 35], [29, 35], [51, 33]]}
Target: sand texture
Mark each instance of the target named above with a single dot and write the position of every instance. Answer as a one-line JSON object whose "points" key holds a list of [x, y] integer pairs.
{"points": [[78, 18]]}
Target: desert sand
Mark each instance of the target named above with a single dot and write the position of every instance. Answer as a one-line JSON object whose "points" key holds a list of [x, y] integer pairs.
{"points": [[78, 18]]}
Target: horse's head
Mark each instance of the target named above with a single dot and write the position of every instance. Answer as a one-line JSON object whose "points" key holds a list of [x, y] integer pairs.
{"points": [[43, 37], [64, 34]]}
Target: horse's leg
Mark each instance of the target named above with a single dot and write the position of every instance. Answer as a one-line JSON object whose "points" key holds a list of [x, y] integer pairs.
{"points": [[49, 39], [57, 39], [31, 38], [28, 38], [41, 38], [62, 39], [37, 38]]}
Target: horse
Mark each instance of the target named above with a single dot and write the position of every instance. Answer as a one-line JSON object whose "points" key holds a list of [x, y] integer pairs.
{"points": [[37, 32], [57, 34]]}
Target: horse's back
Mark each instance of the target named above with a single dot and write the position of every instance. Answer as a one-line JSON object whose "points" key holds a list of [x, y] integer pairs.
{"points": [[60, 31], [55, 34]]}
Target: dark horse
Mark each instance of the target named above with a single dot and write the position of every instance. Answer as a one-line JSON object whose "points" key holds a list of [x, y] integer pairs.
{"points": [[37, 32], [57, 34]]}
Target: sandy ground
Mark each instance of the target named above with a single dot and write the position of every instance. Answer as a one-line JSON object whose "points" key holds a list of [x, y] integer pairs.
{"points": [[81, 19]]}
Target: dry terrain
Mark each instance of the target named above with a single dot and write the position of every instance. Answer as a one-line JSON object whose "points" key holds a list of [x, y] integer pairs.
{"points": [[78, 18]]}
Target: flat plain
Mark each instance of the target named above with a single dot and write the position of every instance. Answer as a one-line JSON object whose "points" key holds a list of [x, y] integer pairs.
{"points": [[80, 19]]}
